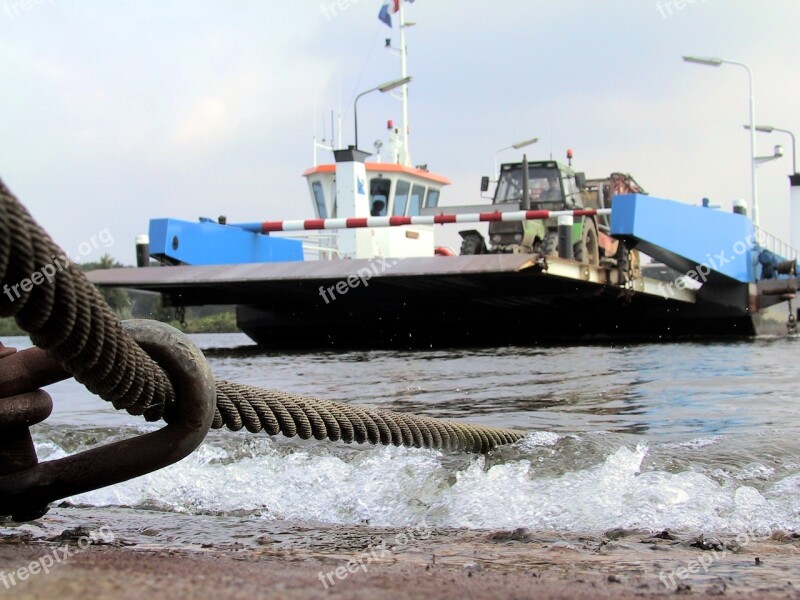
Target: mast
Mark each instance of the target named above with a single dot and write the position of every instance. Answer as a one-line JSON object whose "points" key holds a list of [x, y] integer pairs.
{"points": [[405, 156]]}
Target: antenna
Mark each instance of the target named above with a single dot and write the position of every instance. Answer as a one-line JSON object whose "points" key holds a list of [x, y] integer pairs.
{"points": [[340, 116], [324, 144], [402, 51], [314, 144], [404, 90]]}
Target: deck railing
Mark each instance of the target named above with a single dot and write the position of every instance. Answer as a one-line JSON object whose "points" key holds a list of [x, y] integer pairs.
{"points": [[317, 245], [776, 245]]}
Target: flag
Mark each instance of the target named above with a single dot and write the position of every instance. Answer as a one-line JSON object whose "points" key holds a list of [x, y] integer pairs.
{"points": [[384, 15], [388, 9]]}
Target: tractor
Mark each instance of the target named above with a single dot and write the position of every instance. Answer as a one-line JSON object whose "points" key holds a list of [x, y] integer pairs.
{"points": [[554, 186]]}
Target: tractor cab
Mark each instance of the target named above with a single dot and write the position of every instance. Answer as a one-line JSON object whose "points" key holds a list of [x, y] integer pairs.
{"points": [[552, 186]]}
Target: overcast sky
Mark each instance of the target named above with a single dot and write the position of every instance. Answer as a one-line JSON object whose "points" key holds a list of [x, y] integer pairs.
{"points": [[117, 111]]}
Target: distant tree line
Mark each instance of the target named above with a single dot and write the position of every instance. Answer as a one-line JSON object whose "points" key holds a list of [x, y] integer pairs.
{"points": [[134, 304]]}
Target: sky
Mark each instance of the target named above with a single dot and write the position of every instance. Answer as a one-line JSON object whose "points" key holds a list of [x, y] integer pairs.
{"points": [[118, 111]]}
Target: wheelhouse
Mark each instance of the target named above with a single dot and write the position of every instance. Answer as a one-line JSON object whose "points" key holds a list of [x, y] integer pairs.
{"points": [[392, 191]]}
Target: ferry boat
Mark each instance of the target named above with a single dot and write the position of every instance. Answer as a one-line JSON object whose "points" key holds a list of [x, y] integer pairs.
{"points": [[571, 272]]}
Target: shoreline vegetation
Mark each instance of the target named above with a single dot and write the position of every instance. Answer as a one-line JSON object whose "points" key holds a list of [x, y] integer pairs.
{"points": [[132, 304]]}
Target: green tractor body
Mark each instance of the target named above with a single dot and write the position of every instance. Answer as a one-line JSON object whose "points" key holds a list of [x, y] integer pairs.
{"points": [[549, 185]]}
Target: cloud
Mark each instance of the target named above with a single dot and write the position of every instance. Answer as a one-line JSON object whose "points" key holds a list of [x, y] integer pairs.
{"points": [[130, 110]]}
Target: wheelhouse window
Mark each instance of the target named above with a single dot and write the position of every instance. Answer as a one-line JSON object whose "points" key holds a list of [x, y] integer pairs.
{"points": [[319, 199], [401, 198], [379, 189], [415, 202], [432, 201]]}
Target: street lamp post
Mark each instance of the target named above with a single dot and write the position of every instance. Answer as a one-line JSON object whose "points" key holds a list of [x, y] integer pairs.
{"points": [[794, 188], [770, 129], [383, 88], [716, 62], [516, 146]]}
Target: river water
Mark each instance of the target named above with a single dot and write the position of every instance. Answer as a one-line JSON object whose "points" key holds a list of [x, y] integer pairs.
{"points": [[691, 437]]}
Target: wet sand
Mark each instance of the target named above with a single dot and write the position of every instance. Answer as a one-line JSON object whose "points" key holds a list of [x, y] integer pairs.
{"points": [[292, 561]]}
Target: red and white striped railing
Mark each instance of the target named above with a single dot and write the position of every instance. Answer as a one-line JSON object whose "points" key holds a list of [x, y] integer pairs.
{"points": [[362, 222]]}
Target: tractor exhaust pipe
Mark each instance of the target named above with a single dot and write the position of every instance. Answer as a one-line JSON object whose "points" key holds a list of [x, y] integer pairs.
{"points": [[526, 184], [565, 237]]}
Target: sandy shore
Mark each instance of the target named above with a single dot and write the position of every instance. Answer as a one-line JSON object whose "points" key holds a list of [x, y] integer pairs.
{"points": [[290, 561]]}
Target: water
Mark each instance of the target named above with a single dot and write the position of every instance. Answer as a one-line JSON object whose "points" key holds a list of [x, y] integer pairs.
{"points": [[690, 437]]}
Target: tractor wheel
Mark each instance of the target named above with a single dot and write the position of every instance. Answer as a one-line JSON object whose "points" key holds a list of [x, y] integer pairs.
{"points": [[549, 246], [588, 249]]}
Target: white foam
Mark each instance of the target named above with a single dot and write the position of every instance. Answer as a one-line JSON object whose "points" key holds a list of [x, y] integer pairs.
{"points": [[755, 472], [537, 439], [401, 487], [694, 444]]}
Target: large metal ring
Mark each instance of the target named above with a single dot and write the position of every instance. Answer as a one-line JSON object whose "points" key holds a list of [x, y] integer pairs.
{"points": [[26, 494]]}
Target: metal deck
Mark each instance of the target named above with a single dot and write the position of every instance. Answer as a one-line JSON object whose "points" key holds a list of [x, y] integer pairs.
{"points": [[442, 301]]}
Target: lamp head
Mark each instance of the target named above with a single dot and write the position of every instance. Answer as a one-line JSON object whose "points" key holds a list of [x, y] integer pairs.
{"points": [[519, 145], [390, 85], [704, 60], [761, 128]]}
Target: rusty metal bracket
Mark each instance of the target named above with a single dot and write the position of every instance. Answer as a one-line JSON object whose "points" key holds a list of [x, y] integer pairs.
{"points": [[4, 351], [27, 370], [27, 487]]}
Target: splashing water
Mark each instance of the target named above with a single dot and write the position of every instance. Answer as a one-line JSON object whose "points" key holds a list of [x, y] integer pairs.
{"points": [[699, 438]]}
